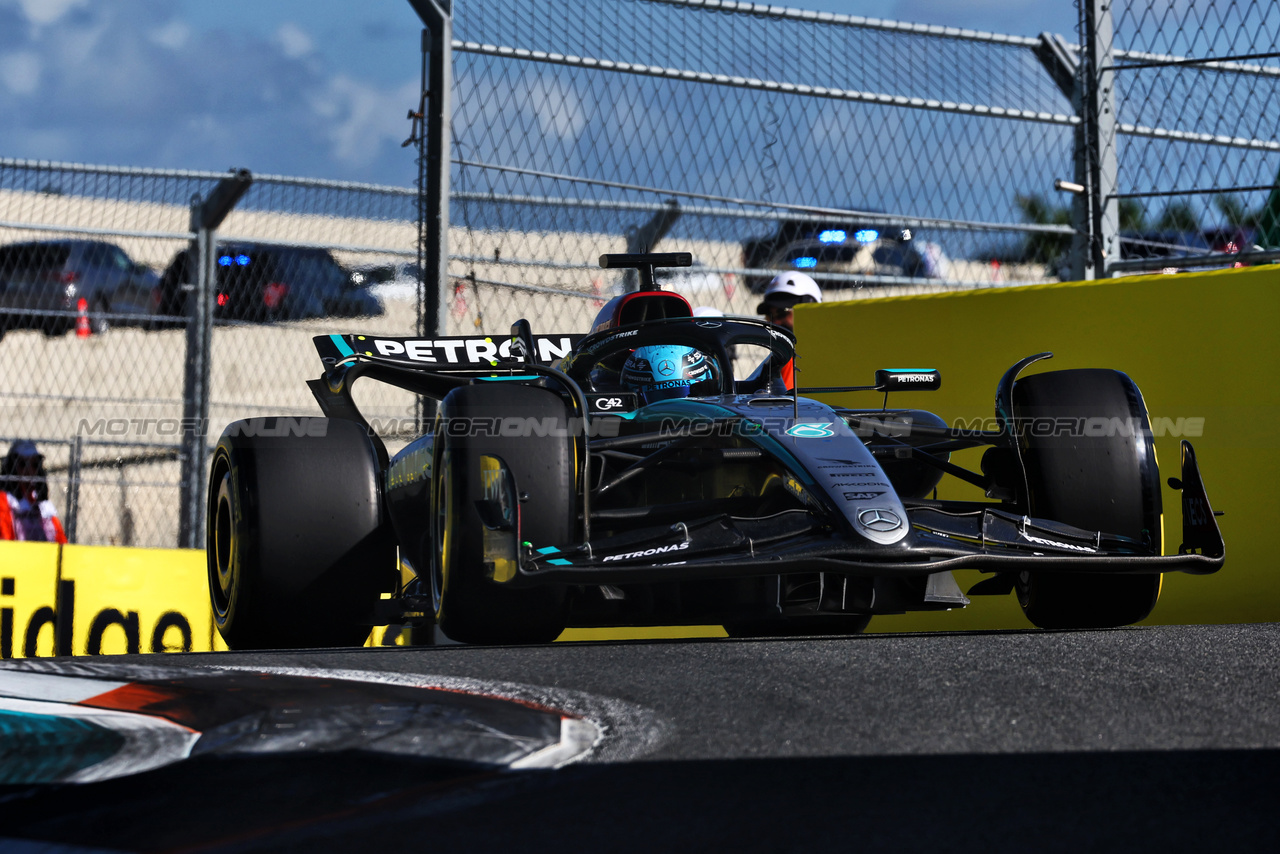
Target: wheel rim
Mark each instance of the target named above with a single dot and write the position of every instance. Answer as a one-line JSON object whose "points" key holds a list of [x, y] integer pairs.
{"points": [[222, 574], [440, 536]]}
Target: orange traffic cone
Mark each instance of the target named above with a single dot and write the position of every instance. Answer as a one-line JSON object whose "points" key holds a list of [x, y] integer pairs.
{"points": [[82, 318]]}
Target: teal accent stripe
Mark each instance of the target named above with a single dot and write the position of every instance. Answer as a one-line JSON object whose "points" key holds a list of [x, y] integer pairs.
{"points": [[560, 562], [549, 550], [506, 379], [341, 345]]}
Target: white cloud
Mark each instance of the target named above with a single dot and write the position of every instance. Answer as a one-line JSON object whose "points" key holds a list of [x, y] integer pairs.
{"points": [[294, 41], [558, 107], [173, 35], [20, 72], [41, 12], [134, 82], [360, 118]]}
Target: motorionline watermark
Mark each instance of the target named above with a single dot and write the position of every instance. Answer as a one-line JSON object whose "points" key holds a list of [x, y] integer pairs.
{"points": [[516, 426], [511, 426], [898, 427], [1095, 426], [148, 428]]}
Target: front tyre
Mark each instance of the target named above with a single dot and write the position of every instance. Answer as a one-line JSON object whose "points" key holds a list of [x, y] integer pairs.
{"points": [[470, 606], [1090, 461], [298, 546]]}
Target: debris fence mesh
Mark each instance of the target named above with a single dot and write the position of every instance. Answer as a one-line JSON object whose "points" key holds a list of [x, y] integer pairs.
{"points": [[1198, 103]]}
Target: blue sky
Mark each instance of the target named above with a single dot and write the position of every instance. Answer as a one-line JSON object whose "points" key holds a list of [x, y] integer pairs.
{"points": [[300, 87]]}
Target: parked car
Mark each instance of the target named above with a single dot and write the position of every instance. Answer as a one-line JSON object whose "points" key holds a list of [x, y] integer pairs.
{"points": [[397, 281], [866, 249], [262, 282], [44, 283]]}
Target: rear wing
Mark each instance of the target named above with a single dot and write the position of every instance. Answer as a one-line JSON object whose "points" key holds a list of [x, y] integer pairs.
{"points": [[446, 354]]}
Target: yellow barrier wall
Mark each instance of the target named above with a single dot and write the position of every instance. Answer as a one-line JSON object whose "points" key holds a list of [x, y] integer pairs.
{"points": [[28, 596], [137, 600], [1199, 346]]}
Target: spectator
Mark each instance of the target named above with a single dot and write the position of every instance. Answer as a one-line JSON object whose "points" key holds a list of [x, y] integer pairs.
{"points": [[27, 513], [783, 293]]}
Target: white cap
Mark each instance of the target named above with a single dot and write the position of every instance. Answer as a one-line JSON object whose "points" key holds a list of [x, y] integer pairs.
{"points": [[790, 288], [707, 311]]}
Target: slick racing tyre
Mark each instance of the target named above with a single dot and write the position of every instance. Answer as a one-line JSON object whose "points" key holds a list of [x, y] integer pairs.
{"points": [[1100, 478], [470, 606], [298, 545]]}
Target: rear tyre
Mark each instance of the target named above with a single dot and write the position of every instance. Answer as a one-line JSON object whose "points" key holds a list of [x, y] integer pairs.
{"points": [[470, 606], [298, 548], [1108, 482]]}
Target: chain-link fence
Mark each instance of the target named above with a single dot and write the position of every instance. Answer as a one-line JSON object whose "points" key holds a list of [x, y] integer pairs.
{"points": [[871, 155], [877, 156], [95, 284], [1197, 110]]}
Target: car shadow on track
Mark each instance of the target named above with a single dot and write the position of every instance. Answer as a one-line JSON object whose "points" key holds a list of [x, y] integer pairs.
{"points": [[1101, 801]]}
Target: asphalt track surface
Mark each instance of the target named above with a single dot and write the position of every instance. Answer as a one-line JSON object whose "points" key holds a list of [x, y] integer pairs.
{"points": [[1142, 739]]}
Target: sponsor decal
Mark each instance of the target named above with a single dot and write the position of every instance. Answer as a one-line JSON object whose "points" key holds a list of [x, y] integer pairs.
{"points": [[879, 520], [599, 345], [410, 466], [811, 430], [709, 324], [666, 367], [656, 550], [861, 496], [608, 403], [172, 631], [1056, 545], [466, 351]]}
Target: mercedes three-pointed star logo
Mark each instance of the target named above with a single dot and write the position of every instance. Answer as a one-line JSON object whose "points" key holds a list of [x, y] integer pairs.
{"points": [[879, 520]]}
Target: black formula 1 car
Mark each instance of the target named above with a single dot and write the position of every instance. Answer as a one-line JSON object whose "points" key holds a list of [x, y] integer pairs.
{"points": [[658, 472]]}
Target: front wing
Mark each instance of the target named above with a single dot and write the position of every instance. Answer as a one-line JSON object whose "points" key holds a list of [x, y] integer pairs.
{"points": [[989, 539]]}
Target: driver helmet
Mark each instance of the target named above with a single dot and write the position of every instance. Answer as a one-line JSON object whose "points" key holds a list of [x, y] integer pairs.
{"points": [[666, 371]]}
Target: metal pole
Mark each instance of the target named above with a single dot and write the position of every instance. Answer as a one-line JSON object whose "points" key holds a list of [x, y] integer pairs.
{"points": [[1102, 124], [433, 171], [422, 412], [73, 487], [206, 216], [195, 398]]}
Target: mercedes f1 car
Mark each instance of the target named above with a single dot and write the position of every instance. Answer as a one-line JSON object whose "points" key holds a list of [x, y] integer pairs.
{"points": [[638, 475]]}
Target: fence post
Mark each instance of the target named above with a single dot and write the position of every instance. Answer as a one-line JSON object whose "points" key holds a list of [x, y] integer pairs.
{"points": [[206, 216], [433, 174], [1100, 122], [73, 487]]}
